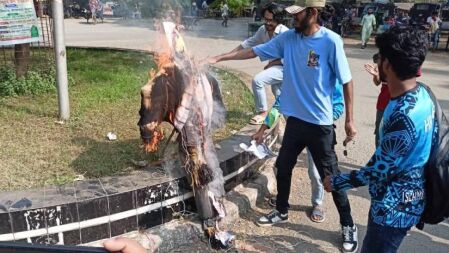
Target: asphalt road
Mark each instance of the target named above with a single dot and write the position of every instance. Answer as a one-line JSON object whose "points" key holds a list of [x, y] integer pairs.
{"points": [[300, 234]]}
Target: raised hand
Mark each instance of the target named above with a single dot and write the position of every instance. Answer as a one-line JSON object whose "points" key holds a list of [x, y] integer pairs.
{"points": [[372, 69]]}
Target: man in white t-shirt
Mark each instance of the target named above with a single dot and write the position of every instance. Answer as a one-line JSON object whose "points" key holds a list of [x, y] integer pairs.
{"points": [[204, 5], [273, 72], [434, 23]]}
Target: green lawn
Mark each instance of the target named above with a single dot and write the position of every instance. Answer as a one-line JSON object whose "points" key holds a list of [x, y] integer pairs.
{"points": [[104, 97]]}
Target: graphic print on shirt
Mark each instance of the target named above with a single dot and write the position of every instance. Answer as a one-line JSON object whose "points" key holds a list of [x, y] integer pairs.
{"points": [[313, 59], [395, 172]]}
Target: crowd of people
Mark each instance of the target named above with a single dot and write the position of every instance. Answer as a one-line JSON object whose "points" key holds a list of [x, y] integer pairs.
{"points": [[314, 67], [312, 82]]}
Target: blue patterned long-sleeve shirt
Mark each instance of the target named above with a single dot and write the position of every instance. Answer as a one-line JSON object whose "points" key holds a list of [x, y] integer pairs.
{"points": [[395, 173]]}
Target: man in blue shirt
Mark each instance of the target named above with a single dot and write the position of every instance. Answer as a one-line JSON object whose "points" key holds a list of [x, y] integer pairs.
{"points": [[395, 173], [317, 189], [314, 60]]}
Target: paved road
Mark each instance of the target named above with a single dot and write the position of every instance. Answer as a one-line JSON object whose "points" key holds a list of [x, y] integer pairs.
{"points": [[300, 234]]}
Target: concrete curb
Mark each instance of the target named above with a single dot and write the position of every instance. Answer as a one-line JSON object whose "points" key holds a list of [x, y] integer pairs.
{"points": [[177, 233]]}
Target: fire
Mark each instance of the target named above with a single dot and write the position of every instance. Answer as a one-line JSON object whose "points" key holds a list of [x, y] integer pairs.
{"points": [[164, 57], [153, 144]]}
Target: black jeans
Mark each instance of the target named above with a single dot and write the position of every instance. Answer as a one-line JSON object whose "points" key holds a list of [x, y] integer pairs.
{"points": [[321, 141], [382, 238]]}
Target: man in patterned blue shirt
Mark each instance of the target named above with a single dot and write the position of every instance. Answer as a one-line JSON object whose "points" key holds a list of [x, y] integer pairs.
{"points": [[395, 173]]}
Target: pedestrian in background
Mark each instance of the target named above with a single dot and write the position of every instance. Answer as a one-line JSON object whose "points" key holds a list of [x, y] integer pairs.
{"points": [[93, 6], [225, 14], [368, 24]]}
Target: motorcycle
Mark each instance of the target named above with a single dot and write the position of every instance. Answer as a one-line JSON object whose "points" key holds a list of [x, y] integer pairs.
{"points": [[74, 11], [345, 26], [99, 15]]}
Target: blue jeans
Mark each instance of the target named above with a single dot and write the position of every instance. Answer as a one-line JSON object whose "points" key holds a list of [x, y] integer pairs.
{"points": [[435, 37], [382, 238], [315, 179], [272, 76]]}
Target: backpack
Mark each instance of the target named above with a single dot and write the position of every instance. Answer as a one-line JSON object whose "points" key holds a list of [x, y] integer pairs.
{"points": [[436, 171]]}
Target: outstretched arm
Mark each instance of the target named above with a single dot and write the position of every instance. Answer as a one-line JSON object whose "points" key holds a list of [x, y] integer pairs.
{"points": [[386, 163], [238, 48], [236, 55]]}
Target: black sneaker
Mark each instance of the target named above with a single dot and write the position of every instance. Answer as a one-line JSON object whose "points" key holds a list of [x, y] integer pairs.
{"points": [[350, 240], [272, 218], [363, 46]]}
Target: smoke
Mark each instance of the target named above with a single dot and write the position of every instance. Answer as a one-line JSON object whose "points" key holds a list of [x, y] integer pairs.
{"points": [[217, 184], [171, 164], [219, 109], [219, 115]]}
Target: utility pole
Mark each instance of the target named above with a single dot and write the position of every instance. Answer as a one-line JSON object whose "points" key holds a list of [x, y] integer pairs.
{"points": [[61, 59]]}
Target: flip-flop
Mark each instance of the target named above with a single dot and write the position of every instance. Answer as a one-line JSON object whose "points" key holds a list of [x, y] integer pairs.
{"points": [[317, 214], [257, 120]]}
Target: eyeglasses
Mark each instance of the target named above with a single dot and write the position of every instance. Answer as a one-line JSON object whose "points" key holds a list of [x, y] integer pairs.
{"points": [[268, 20]]}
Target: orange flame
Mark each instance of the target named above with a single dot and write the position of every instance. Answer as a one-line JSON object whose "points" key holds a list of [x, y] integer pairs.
{"points": [[153, 144]]}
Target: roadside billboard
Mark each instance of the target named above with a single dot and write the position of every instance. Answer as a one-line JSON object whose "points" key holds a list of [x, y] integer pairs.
{"points": [[18, 22]]}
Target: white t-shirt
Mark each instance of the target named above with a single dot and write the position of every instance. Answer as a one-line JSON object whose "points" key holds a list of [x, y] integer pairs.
{"points": [[434, 24], [261, 36], [225, 10]]}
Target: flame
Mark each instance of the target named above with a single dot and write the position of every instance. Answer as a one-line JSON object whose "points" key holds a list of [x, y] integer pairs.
{"points": [[163, 61], [153, 144]]}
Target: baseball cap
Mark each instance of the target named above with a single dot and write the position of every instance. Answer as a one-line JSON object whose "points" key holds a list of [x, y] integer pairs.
{"points": [[301, 5]]}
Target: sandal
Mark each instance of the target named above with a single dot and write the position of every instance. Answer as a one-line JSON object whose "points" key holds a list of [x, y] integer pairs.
{"points": [[317, 214], [257, 120]]}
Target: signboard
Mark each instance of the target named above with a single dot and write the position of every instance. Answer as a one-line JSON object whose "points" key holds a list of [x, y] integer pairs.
{"points": [[18, 22]]}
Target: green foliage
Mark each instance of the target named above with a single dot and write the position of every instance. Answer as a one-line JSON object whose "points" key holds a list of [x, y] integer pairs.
{"points": [[155, 8], [234, 5], [238, 4], [35, 82]]}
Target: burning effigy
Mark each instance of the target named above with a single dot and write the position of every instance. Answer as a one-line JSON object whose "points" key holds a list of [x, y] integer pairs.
{"points": [[190, 99]]}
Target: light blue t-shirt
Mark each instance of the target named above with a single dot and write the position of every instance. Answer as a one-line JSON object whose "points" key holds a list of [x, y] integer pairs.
{"points": [[312, 66]]}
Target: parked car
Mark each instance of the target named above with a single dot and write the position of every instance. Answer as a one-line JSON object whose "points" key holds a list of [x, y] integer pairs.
{"points": [[420, 12]]}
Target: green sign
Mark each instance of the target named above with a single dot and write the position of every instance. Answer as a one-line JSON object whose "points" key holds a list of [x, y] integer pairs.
{"points": [[18, 22]]}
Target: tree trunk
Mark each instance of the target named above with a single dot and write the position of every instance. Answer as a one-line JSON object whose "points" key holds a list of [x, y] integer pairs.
{"points": [[22, 58]]}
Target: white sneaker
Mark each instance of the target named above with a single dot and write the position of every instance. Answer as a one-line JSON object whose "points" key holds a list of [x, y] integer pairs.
{"points": [[350, 239], [272, 218]]}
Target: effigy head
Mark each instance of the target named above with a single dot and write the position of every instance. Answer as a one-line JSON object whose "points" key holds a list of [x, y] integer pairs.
{"points": [[160, 99]]}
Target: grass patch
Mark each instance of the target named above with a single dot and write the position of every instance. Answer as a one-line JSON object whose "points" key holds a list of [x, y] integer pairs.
{"points": [[104, 97]]}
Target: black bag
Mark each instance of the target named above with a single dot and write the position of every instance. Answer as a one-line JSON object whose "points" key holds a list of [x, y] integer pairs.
{"points": [[436, 172]]}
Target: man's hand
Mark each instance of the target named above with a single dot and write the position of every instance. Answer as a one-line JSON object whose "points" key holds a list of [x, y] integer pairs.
{"points": [[351, 132], [124, 245], [258, 137], [327, 184], [208, 61], [372, 69], [273, 63]]}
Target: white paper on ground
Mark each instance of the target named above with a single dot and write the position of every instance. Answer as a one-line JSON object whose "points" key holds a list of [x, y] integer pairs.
{"points": [[260, 151], [224, 237], [111, 136]]}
